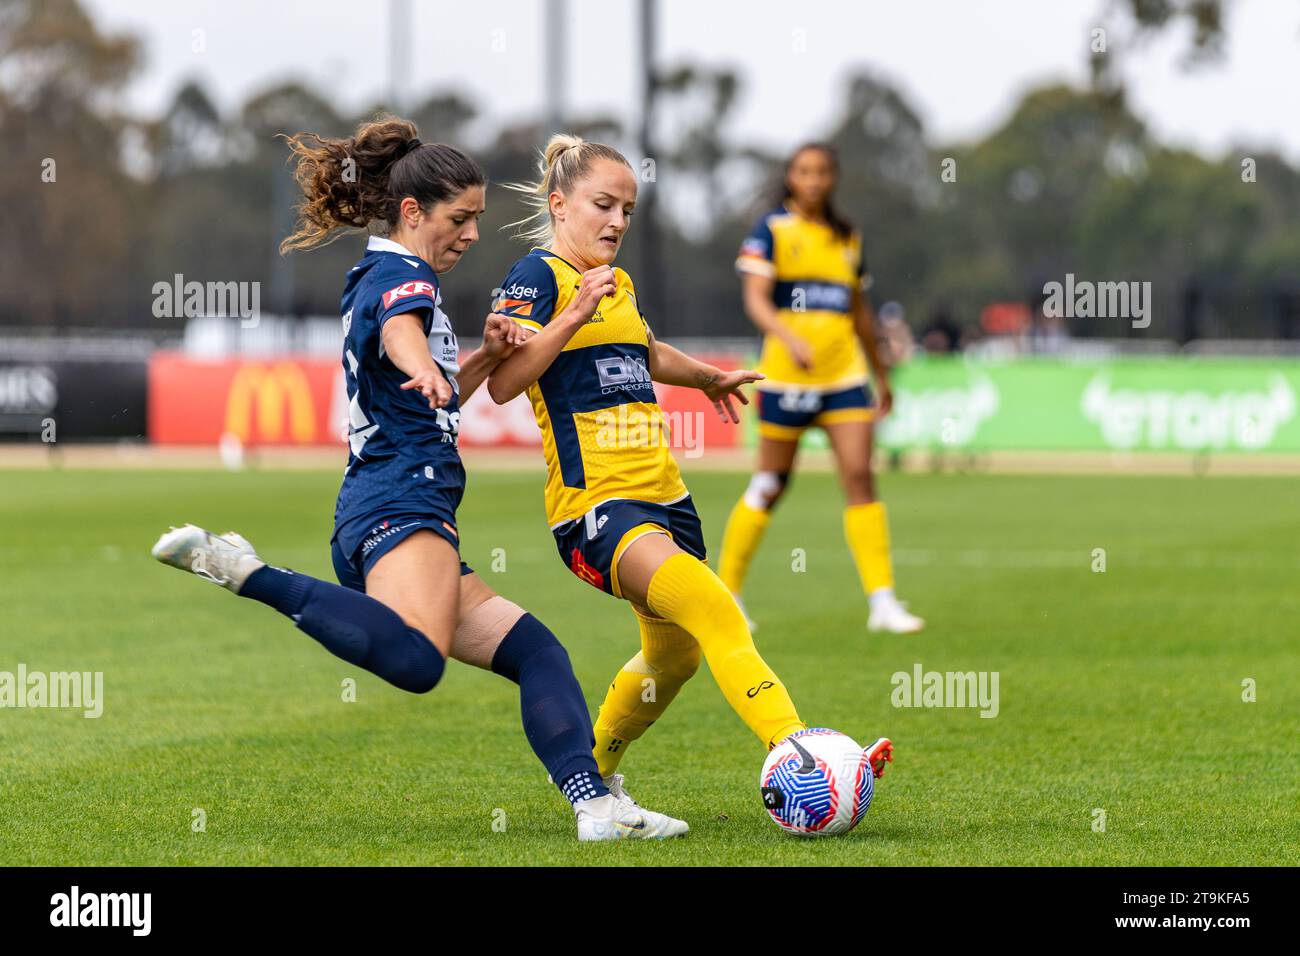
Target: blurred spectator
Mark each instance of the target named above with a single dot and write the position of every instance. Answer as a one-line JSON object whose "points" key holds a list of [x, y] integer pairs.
{"points": [[1048, 334], [895, 336], [942, 334]]}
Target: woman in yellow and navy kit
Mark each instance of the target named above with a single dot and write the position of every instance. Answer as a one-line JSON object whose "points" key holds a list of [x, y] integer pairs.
{"points": [[622, 518], [804, 279]]}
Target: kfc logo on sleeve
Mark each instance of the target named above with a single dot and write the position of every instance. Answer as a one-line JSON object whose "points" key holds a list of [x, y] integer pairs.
{"points": [[407, 289]]}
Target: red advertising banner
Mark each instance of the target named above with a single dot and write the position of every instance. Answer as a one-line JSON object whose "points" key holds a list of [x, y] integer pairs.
{"points": [[287, 400], [277, 401]]}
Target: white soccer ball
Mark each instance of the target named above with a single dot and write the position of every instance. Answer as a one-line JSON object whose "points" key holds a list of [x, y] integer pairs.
{"points": [[817, 782]]}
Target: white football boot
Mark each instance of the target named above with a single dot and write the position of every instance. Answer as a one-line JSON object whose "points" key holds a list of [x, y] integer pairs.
{"points": [[889, 614], [614, 784], [225, 559], [614, 817]]}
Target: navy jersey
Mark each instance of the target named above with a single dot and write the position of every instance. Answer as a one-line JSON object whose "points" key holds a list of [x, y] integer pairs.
{"points": [[384, 421]]}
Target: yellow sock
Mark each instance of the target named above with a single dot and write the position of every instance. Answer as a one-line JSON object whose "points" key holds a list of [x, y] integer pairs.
{"points": [[867, 529], [643, 689], [740, 541], [684, 590]]}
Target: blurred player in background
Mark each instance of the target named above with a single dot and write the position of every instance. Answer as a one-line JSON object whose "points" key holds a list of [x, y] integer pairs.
{"points": [[407, 601], [804, 279], [623, 520], [896, 342]]}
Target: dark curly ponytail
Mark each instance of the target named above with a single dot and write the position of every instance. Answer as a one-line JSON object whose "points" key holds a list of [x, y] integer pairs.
{"points": [[350, 183]]}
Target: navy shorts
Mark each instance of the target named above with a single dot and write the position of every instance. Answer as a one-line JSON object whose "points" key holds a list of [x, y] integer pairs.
{"points": [[784, 415], [352, 573], [381, 504], [591, 545]]}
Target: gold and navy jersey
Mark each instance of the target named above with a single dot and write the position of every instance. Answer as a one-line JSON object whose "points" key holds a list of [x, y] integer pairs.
{"points": [[603, 434], [816, 272]]}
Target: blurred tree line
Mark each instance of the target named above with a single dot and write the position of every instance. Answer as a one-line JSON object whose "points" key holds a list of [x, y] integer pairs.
{"points": [[101, 205]]}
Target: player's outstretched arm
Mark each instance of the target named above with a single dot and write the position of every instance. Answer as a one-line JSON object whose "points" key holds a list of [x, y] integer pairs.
{"points": [[526, 364], [501, 336], [672, 366], [407, 347]]}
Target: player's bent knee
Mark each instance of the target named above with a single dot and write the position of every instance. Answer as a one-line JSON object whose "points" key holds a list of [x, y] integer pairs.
{"points": [[860, 486], [679, 661], [683, 664], [482, 629], [765, 489], [528, 642], [420, 669]]}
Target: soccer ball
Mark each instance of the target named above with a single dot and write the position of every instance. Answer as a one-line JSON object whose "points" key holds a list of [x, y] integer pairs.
{"points": [[817, 782]]}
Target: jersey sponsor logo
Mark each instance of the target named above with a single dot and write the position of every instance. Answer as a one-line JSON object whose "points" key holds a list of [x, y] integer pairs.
{"points": [[821, 296], [281, 398], [517, 291], [514, 307], [406, 290], [382, 532], [622, 372]]}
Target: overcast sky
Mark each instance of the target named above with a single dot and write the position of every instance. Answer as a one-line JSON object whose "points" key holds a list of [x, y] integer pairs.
{"points": [[961, 63]]}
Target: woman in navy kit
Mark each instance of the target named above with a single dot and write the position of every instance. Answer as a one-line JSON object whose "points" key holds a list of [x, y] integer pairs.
{"points": [[407, 601]]}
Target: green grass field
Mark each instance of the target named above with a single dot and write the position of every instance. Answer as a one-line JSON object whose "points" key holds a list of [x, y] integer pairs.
{"points": [[1119, 690]]}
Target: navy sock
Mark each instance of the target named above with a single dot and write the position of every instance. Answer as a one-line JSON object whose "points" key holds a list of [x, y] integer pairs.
{"points": [[556, 721], [352, 626], [583, 785]]}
